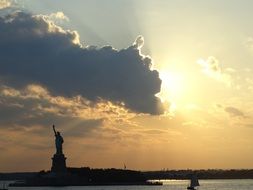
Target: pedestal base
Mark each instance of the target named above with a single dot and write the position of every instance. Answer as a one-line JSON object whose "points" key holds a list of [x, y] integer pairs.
{"points": [[59, 163]]}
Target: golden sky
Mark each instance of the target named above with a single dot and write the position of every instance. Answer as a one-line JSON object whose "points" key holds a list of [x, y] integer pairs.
{"points": [[111, 115]]}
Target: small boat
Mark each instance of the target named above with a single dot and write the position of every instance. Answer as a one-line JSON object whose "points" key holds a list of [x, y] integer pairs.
{"points": [[3, 187], [194, 183]]}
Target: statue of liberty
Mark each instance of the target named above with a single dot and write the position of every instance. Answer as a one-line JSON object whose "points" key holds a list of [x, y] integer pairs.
{"points": [[58, 141]]}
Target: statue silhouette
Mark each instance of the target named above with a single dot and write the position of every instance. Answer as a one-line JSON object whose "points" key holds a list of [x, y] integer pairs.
{"points": [[58, 141]]}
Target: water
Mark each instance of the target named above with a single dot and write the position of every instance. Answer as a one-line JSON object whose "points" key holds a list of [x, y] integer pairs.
{"points": [[168, 185]]}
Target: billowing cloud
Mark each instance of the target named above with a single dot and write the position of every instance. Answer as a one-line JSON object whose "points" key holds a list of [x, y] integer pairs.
{"points": [[58, 16], [36, 51], [234, 112], [35, 106], [211, 67], [5, 4], [139, 42]]}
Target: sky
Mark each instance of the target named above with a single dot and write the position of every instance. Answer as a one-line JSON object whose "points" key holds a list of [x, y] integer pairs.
{"points": [[152, 84]]}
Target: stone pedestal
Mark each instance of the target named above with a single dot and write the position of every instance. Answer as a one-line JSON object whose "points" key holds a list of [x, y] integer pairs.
{"points": [[59, 163]]}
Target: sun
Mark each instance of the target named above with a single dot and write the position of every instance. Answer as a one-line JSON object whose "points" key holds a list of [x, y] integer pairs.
{"points": [[171, 82], [172, 86]]}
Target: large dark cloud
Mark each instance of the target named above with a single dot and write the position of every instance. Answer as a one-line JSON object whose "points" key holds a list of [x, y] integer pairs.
{"points": [[34, 50]]}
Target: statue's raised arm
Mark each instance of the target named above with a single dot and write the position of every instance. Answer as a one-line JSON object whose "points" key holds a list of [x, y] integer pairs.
{"points": [[54, 130]]}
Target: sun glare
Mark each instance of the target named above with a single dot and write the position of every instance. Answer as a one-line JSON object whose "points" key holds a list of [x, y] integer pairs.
{"points": [[172, 85]]}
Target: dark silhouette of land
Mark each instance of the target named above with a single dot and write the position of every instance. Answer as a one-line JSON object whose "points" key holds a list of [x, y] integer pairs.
{"points": [[79, 177], [120, 175], [202, 174]]}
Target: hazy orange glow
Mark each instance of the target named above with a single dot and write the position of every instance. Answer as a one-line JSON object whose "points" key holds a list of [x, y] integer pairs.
{"points": [[203, 52]]}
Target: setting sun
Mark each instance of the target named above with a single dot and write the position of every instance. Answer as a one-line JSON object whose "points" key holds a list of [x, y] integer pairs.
{"points": [[172, 85]]}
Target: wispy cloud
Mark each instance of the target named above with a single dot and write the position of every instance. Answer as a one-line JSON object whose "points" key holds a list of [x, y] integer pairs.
{"points": [[234, 112], [249, 43], [211, 67]]}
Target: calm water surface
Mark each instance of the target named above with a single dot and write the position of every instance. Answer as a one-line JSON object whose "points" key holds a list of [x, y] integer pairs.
{"points": [[168, 185]]}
